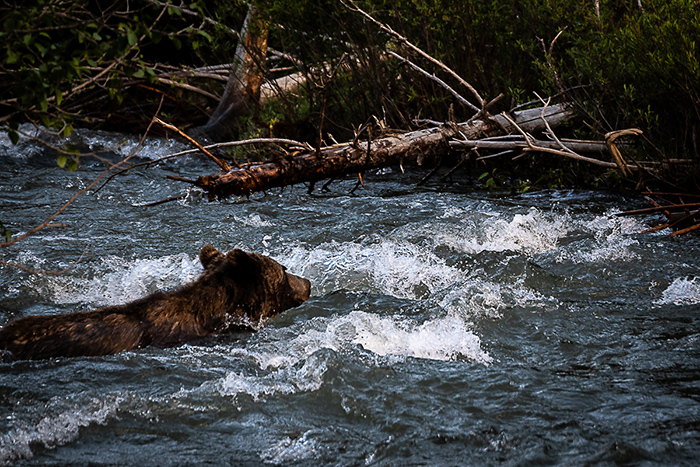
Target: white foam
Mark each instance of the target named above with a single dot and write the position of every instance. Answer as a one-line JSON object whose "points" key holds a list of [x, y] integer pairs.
{"points": [[682, 291], [289, 380], [125, 145], [613, 241], [290, 450], [531, 233], [56, 430], [446, 338], [119, 281], [396, 268], [299, 364], [478, 297], [253, 220]]}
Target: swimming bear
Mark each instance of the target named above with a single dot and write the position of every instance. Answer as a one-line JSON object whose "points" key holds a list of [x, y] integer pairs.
{"points": [[236, 289]]}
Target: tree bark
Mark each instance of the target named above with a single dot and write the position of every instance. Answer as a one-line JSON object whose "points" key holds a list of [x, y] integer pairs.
{"points": [[242, 92], [408, 148]]}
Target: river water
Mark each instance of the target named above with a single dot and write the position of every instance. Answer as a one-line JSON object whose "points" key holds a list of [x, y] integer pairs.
{"points": [[446, 326]]}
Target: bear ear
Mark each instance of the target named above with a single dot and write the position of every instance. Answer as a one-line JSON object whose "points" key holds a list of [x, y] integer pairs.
{"points": [[208, 255], [237, 256]]}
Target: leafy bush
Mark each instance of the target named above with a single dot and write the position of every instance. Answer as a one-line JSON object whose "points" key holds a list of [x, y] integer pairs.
{"points": [[55, 51], [634, 63]]}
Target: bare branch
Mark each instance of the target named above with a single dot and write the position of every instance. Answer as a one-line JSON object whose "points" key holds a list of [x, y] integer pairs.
{"points": [[416, 49], [222, 164], [437, 80]]}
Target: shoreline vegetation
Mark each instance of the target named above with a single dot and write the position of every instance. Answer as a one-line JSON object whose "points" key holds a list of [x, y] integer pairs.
{"points": [[310, 91]]}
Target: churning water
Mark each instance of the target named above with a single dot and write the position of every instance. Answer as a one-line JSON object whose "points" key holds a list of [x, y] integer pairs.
{"points": [[445, 327]]}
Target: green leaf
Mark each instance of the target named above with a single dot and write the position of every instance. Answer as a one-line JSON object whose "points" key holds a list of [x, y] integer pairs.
{"points": [[14, 136], [61, 161], [12, 57], [72, 165], [59, 97], [138, 74], [131, 37], [67, 131]]}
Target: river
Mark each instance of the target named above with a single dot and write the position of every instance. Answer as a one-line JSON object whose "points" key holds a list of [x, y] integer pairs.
{"points": [[446, 326]]}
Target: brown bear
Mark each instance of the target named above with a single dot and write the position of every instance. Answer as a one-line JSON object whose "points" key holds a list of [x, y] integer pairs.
{"points": [[236, 289]]}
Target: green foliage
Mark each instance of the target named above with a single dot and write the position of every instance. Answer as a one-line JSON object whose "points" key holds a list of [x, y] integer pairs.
{"points": [[491, 179], [58, 55], [643, 69], [625, 67]]}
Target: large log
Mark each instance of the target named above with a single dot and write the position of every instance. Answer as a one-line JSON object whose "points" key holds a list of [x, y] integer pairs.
{"points": [[334, 162]]}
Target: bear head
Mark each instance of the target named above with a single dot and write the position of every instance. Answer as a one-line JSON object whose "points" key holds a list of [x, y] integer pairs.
{"points": [[262, 287]]}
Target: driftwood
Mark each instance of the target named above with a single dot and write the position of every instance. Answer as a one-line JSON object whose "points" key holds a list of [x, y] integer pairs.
{"points": [[408, 148]]}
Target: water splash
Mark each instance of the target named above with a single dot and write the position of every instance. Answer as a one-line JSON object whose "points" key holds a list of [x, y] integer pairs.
{"points": [[530, 233], [612, 241], [682, 291], [287, 365], [290, 450], [396, 268], [290, 380], [478, 297], [446, 338], [125, 145], [117, 281], [57, 429]]}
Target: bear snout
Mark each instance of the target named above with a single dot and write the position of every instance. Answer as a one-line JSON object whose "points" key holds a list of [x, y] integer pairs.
{"points": [[301, 288]]}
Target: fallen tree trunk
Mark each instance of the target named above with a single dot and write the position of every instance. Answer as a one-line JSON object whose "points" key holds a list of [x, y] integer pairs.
{"points": [[356, 157]]}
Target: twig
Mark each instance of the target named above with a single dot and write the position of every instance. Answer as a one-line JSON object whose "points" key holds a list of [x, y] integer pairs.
{"points": [[669, 194], [498, 154], [437, 80], [48, 220], [405, 41], [181, 179], [658, 208], [430, 174], [550, 132], [163, 201], [187, 87], [610, 142], [461, 162], [224, 166], [686, 230], [572, 155]]}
